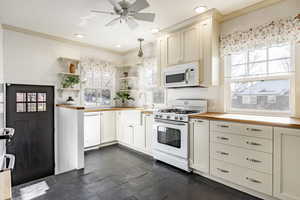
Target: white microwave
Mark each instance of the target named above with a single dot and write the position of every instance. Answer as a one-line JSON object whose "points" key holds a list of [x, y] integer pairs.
{"points": [[183, 75]]}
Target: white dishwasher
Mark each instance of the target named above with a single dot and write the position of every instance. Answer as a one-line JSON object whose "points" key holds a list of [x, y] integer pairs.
{"points": [[92, 129]]}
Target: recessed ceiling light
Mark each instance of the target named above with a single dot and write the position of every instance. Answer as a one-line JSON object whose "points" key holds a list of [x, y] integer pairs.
{"points": [[78, 35], [118, 46], [200, 9], [155, 30]]}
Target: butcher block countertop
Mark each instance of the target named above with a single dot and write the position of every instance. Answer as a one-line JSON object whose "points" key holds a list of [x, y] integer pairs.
{"points": [[99, 109], [286, 122]]}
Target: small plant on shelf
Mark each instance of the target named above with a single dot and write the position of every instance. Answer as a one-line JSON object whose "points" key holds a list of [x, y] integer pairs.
{"points": [[70, 81], [124, 97]]}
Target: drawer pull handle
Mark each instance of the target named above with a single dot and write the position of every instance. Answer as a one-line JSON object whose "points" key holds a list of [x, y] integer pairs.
{"points": [[253, 160], [200, 121], [254, 129], [223, 126], [223, 138], [223, 170], [223, 153], [253, 180], [253, 143]]}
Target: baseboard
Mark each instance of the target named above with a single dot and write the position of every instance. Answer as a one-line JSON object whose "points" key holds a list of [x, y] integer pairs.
{"points": [[135, 150], [101, 146]]}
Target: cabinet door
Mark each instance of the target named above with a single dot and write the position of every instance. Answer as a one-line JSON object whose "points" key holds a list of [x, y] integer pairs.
{"points": [[173, 43], [91, 129], [148, 123], [161, 51], [119, 126], [199, 143], [191, 44], [108, 126], [286, 163], [139, 138]]}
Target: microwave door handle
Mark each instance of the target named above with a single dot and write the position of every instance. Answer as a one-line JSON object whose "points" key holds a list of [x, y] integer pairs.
{"points": [[186, 74]]}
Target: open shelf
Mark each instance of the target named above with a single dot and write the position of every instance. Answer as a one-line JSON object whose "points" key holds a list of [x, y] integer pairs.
{"points": [[69, 89], [68, 74], [129, 77]]}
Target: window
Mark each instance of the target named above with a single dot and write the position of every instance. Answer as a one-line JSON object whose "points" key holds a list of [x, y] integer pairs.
{"points": [[99, 86], [261, 80], [31, 102]]}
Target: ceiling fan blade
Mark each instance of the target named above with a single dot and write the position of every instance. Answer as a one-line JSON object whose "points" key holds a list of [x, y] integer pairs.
{"points": [[149, 17], [103, 12], [113, 22], [138, 5], [115, 4], [132, 23]]}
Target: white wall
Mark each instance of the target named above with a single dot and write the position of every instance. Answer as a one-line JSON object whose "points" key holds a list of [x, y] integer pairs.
{"points": [[131, 58], [1, 80], [33, 60]]}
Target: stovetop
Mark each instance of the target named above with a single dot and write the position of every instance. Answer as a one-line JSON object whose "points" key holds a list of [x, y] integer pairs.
{"points": [[178, 111]]}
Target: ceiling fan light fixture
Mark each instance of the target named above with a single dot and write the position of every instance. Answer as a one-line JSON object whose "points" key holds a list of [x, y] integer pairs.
{"points": [[200, 9], [140, 53]]}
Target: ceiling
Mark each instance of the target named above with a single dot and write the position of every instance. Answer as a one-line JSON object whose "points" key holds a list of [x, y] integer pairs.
{"points": [[64, 18]]}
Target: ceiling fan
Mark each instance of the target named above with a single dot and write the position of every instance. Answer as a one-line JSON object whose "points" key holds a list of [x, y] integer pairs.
{"points": [[128, 12]]}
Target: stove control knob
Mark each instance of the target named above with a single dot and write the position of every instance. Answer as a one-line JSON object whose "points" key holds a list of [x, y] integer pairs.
{"points": [[168, 117], [176, 118], [181, 118]]}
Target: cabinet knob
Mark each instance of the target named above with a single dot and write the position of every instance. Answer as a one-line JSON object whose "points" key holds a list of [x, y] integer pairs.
{"points": [[223, 170], [253, 143], [223, 138], [253, 160], [253, 180]]}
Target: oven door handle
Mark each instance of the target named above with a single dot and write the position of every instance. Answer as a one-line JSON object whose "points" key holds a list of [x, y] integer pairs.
{"points": [[186, 75], [171, 122]]}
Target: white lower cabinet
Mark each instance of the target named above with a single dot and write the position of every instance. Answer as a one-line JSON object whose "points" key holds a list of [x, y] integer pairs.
{"points": [[199, 145], [108, 126], [91, 129], [287, 163], [148, 127], [134, 130]]}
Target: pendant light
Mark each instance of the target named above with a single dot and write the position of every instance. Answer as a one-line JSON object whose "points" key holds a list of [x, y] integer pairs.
{"points": [[141, 53]]}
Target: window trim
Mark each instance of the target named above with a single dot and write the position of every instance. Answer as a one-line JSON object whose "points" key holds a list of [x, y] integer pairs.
{"points": [[280, 76]]}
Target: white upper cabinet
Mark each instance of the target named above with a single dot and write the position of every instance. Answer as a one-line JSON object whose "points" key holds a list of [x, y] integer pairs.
{"points": [[191, 44], [196, 43], [287, 163], [108, 126], [173, 44]]}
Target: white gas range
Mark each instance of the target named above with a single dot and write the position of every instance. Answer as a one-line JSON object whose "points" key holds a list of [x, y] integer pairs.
{"points": [[170, 131]]}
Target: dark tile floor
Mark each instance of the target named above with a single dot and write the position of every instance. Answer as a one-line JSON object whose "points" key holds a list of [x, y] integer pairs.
{"points": [[115, 173]]}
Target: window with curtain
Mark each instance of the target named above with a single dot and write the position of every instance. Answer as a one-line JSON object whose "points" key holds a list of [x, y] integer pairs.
{"points": [[98, 82], [259, 67]]}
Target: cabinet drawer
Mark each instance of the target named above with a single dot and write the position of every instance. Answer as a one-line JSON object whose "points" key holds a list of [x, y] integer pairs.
{"points": [[243, 157], [225, 171], [257, 181], [258, 131], [226, 127], [258, 144], [260, 182]]}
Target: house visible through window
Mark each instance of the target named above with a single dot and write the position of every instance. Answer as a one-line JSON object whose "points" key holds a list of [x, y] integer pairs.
{"points": [[261, 80]]}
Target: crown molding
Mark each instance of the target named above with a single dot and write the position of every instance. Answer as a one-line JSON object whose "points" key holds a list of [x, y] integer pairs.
{"points": [[249, 9], [56, 38]]}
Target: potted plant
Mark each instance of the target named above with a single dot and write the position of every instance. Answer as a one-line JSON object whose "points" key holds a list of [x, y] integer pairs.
{"points": [[124, 97], [70, 81]]}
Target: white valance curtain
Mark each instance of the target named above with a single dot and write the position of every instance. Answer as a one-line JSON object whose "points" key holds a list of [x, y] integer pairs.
{"points": [[275, 32]]}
